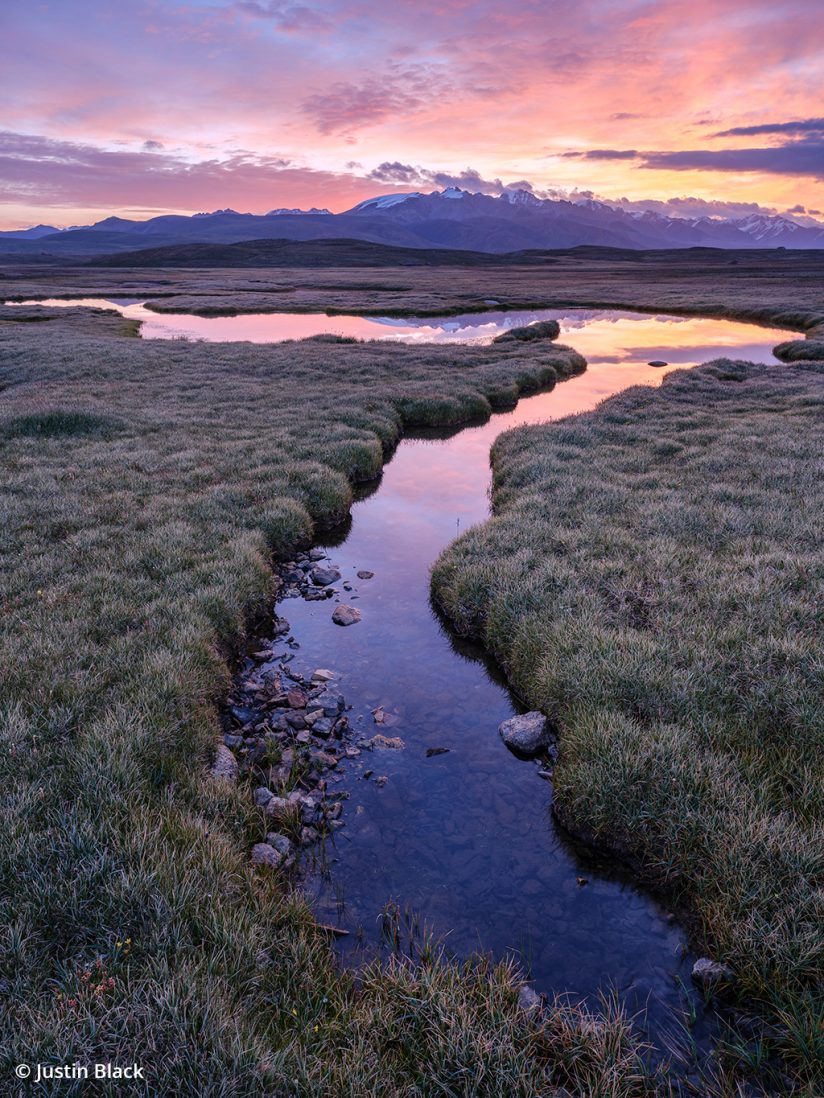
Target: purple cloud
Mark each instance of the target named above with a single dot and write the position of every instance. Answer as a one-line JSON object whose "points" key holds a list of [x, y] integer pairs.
{"points": [[804, 125]]}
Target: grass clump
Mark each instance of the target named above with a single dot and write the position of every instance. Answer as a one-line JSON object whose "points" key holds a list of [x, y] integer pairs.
{"points": [[57, 424], [800, 350], [543, 329], [652, 578]]}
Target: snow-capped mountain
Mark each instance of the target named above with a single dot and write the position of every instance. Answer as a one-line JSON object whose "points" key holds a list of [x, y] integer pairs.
{"points": [[514, 221], [282, 211]]}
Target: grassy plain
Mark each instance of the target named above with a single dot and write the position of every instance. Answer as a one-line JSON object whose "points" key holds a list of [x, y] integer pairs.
{"points": [[146, 487]]}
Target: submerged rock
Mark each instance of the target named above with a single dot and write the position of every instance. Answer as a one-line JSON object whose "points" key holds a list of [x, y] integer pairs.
{"points": [[324, 576], [365, 574], [346, 615], [527, 734]]}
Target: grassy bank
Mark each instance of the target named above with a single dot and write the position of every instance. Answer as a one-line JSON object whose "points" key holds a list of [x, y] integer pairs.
{"points": [[146, 486], [652, 579]]}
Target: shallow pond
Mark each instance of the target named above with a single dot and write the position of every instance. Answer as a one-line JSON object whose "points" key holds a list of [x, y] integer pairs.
{"points": [[608, 336]]}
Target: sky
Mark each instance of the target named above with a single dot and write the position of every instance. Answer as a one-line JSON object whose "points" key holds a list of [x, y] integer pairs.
{"points": [[136, 109]]}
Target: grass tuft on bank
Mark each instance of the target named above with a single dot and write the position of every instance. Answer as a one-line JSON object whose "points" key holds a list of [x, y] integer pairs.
{"points": [[653, 579]]}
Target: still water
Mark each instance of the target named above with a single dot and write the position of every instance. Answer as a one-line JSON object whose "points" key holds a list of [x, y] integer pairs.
{"points": [[601, 336]]}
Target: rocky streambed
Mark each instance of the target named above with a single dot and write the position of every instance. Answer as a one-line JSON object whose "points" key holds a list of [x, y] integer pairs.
{"points": [[287, 731]]}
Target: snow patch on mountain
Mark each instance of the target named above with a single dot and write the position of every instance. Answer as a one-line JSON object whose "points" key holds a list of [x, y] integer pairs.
{"points": [[384, 201], [283, 211]]}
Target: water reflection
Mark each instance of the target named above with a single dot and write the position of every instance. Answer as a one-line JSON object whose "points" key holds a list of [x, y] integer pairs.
{"points": [[602, 336]]}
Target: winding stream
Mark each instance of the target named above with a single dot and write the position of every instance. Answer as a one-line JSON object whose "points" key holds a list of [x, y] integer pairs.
{"points": [[463, 840]]}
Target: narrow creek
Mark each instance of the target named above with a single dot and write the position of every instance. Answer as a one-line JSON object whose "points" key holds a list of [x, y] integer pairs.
{"points": [[451, 830], [463, 841]]}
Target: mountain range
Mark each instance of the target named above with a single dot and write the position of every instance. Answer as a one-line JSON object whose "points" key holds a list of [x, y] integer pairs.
{"points": [[452, 218]]}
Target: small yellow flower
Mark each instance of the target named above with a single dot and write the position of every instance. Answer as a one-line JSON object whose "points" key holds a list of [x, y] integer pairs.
{"points": [[294, 1012]]}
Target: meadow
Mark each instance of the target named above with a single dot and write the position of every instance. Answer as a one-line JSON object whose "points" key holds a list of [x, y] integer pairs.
{"points": [[147, 488]]}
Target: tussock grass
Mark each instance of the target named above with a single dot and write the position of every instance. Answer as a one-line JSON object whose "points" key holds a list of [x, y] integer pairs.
{"points": [[543, 329], [133, 560], [652, 579], [800, 350]]}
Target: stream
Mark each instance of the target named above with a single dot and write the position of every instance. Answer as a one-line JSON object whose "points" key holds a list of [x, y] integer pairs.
{"points": [[451, 828], [463, 841]]}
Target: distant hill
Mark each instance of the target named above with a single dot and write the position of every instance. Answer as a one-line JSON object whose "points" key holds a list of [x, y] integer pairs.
{"points": [[453, 218], [292, 253]]}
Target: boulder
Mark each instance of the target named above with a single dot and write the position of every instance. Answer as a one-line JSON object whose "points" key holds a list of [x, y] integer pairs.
{"points": [[526, 734], [346, 615]]}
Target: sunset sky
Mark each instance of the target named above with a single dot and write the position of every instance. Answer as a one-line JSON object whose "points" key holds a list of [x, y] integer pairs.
{"points": [[151, 107]]}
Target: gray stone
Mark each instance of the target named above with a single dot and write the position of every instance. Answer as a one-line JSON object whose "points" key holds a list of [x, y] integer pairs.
{"points": [[365, 574], [322, 577], [262, 796], [264, 854], [317, 554], [346, 615], [330, 703], [281, 843], [279, 808], [225, 764], [529, 1000], [707, 972], [322, 727], [527, 734], [322, 674]]}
